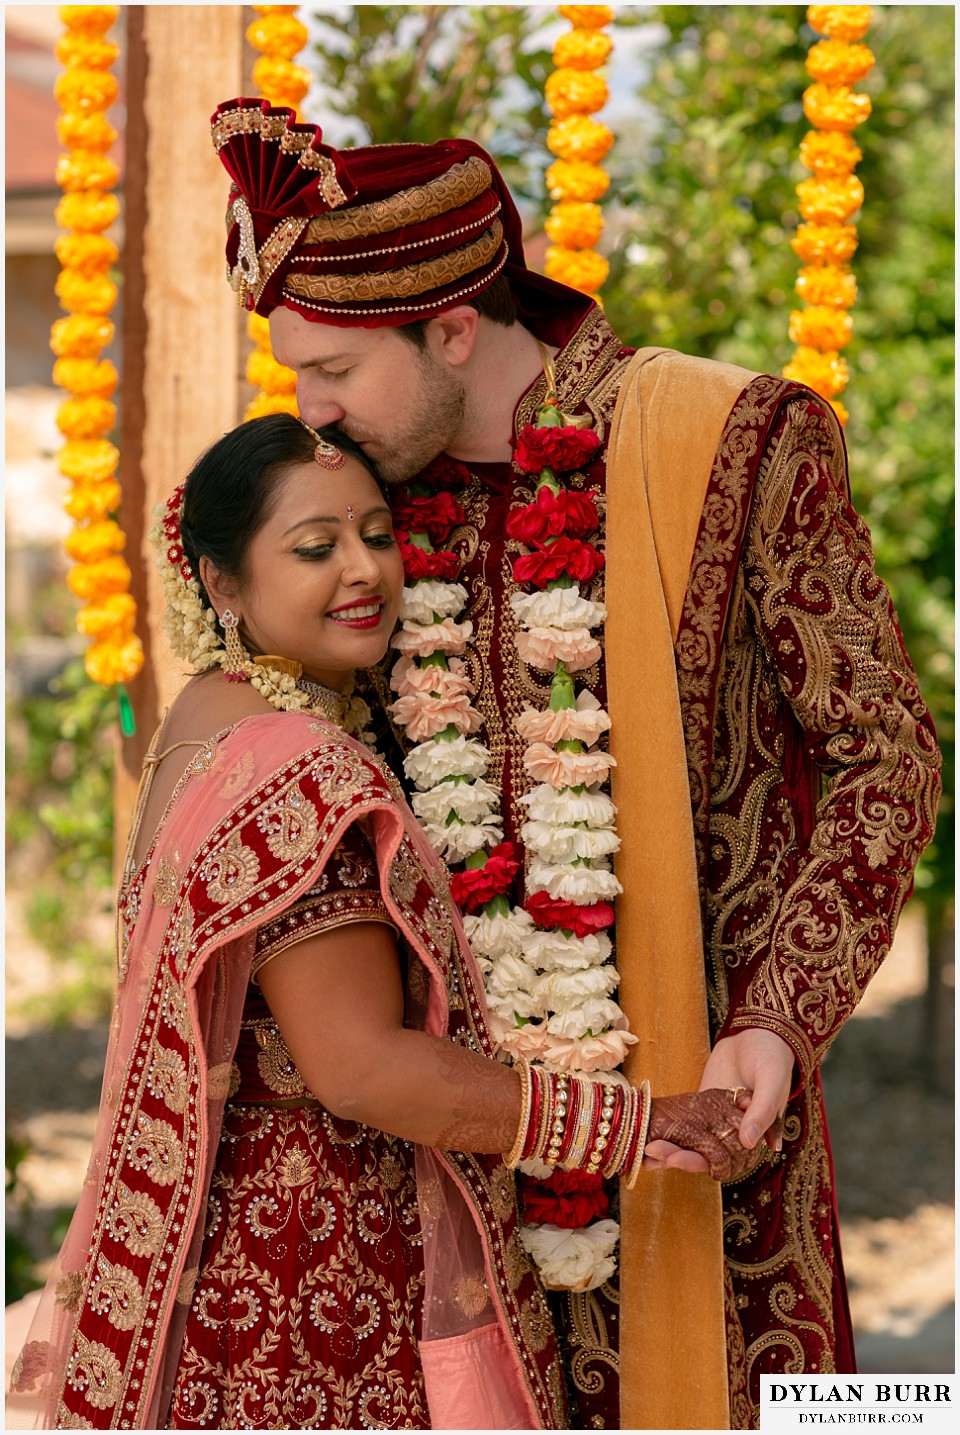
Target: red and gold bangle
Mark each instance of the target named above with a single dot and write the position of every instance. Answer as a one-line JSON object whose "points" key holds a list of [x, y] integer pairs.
{"points": [[587, 1121], [628, 1125], [559, 1113], [611, 1112]]}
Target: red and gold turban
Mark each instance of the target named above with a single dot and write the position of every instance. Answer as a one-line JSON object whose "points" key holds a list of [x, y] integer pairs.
{"points": [[377, 236]]}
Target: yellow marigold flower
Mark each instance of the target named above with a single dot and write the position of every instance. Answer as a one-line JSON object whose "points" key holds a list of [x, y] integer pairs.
{"points": [[86, 52], [834, 107], [81, 336], [89, 19], [80, 293], [826, 373], [264, 372], [279, 77], [109, 663], [97, 620], [572, 179], [579, 268], [88, 253], [575, 225], [88, 461], [79, 131], [575, 92], [86, 418], [280, 36], [827, 284], [87, 501], [590, 17], [836, 62], [86, 90], [579, 138], [259, 330], [830, 153], [275, 9], [829, 201], [825, 243], [86, 169], [840, 411], [271, 404], [582, 50], [96, 541], [85, 376], [97, 580], [90, 213], [840, 22], [821, 327]]}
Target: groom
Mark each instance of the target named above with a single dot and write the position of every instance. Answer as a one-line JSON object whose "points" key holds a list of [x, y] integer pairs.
{"points": [[777, 769]]}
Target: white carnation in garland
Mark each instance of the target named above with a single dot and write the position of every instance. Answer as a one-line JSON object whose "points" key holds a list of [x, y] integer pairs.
{"points": [[594, 1014], [472, 801], [459, 840], [557, 608], [497, 936], [559, 991], [582, 885], [573, 1260], [429, 762], [512, 971], [564, 844], [516, 1003], [552, 950], [545, 804], [428, 599]]}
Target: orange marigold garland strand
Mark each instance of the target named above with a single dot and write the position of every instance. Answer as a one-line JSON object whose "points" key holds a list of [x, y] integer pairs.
{"points": [[86, 173], [827, 240], [279, 36], [574, 91]]}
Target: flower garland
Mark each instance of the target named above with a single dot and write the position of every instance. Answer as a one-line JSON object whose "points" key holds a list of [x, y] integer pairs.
{"points": [[546, 965], [279, 36], [575, 181], [100, 576], [826, 241], [195, 636]]}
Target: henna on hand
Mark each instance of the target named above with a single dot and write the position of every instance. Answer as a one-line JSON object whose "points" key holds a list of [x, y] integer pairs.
{"points": [[707, 1122]]}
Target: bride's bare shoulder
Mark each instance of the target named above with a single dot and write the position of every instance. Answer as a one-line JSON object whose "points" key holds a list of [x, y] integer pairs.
{"points": [[207, 704]]}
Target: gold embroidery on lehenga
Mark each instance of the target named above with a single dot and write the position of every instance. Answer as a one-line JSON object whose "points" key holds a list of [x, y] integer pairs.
{"points": [[166, 883], [69, 1288], [116, 1293], [239, 777], [96, 1373], [156, 1150], [470, 1295], [405, 874], [274, 1062], [290, 826], [167, 1078], [231, 872], [136, 1220]]}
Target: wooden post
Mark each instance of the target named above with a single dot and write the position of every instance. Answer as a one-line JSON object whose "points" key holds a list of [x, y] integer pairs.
{"points": [[183, 344]]}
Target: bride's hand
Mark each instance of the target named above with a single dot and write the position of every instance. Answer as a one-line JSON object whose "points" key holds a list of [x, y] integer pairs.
{"points": [[698, 1131]]}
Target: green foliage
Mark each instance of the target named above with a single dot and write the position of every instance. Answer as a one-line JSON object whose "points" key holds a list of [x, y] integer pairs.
{"points": [[702, 262], [419, 73], [19, 1275], [60, 837]]}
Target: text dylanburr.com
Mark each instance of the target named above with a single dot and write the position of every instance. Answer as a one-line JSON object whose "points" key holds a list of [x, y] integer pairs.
{"points": [[930, 1402]]}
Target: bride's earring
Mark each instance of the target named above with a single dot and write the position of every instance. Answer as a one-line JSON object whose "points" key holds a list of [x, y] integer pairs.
{"points": [[235, 669]]}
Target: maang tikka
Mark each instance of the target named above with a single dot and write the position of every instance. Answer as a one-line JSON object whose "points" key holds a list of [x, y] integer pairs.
{"points": [[327, 455]]}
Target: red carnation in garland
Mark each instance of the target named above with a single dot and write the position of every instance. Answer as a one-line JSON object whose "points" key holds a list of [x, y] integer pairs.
{"points": [[569, 1199], [549, 911], [434, 514], [444, 472], [418, 563], [554, 515], [475, 886], [557, 448], [566, 558]]}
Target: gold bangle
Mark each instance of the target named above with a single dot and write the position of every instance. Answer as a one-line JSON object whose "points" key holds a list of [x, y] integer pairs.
{"points": [[512, 1158], [642, 1138], [628, 1123], [608, 1104], [558, 1109], [575, 1157]]}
